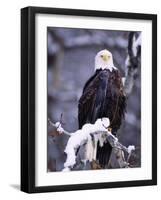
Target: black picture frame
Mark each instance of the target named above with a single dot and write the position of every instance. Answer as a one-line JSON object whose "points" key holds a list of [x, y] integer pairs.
{"points": [[28, 98]]}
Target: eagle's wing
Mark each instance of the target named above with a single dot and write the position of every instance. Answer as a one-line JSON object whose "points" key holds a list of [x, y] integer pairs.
{"points": [[91, 101]]}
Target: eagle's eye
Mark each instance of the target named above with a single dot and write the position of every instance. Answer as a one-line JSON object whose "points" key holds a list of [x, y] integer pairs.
{"points": [[101, 56]]}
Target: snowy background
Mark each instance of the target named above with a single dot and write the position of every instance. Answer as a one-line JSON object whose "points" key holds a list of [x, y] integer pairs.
{"points": [[71, 54]]}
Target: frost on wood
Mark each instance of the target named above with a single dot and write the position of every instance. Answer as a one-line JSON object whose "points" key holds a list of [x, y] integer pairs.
{"points": [[89, 135], [81, 137]]}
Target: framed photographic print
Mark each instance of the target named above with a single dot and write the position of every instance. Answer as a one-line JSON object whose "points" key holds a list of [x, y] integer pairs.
{"points": [[88, 99]]}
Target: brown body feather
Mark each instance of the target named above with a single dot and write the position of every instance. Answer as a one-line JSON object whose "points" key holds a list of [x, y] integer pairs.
{"points": [[103, 96]]}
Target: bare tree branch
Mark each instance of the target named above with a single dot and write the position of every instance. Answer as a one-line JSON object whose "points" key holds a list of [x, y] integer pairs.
{"points": [[132, 61], [58, 127]]}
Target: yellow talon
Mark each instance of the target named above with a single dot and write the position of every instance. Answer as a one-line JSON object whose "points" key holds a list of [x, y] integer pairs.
{"points": [[109, 129]]}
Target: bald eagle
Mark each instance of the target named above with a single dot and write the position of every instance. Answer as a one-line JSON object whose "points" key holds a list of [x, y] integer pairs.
{"points": [[103, 96]]}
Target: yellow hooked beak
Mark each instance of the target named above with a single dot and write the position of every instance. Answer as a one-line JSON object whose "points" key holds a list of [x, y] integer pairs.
{"points": [[105, 57]]}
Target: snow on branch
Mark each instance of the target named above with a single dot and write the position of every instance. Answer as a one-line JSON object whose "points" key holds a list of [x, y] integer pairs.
{"points": [[58, 127], [82, 136], [132, 62]]}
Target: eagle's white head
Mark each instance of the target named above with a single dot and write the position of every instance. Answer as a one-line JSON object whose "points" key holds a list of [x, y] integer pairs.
{"points": [[104, 60]]}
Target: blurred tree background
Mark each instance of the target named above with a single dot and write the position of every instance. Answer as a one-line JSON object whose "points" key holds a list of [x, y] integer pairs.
{"points": [[71, 54]]}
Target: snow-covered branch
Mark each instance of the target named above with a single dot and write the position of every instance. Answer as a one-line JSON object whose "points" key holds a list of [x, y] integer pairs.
{"points": [[90, 134], [58, 127]]}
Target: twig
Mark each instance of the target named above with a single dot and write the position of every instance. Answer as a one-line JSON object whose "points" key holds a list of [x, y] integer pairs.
{"points": [[57, 125]]}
